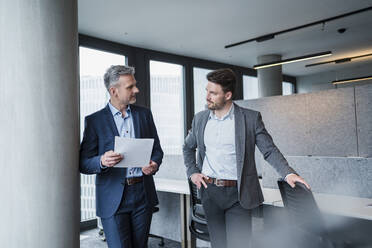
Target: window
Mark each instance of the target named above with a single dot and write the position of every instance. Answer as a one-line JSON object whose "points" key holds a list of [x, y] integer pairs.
{"points": [[200, 83], [166, 87], [288, 88], [250, 87], [93, 97]]}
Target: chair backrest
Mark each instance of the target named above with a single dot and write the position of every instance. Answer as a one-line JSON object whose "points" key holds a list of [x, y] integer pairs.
{"points": [[302, 208], [198, 223], [196, 206], [193, 194]]}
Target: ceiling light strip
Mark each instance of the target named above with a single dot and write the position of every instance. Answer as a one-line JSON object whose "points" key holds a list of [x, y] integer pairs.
{"points": [[338, 61], [350, 80], [291, 60]]}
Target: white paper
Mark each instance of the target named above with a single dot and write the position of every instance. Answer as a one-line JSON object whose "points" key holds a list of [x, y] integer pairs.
{"points": [[136, 152]]}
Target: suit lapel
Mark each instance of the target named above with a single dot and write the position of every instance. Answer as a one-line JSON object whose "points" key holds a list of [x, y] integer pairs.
{"points": [[110, 121], [203, 123], [136, 121], [239, 138]]}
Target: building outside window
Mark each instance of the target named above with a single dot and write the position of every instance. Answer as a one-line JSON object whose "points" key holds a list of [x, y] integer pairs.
{"points": [[200, 83], [250, 87], [167, 106], [288, 88]]}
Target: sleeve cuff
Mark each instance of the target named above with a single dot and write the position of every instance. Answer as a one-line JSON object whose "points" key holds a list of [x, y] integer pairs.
{"points": [[102, 166], [285, 178]]}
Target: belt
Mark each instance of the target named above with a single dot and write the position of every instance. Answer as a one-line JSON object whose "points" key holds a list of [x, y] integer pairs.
{"points": [[221, 182], [133, 180]]}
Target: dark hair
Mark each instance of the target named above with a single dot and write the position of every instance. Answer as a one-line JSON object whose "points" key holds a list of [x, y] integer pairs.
{"points": [[224, 77]]}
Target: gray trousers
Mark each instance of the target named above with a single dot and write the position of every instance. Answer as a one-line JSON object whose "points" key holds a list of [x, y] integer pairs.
{"points": [[229, 225]]}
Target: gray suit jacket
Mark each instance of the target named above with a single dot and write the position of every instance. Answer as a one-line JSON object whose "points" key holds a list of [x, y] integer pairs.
{"points": [[249, 132]]}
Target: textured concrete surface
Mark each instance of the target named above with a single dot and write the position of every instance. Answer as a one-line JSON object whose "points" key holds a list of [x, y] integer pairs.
{"points": [[318, 124], [363, 98], [332, 124], [39, 125]]}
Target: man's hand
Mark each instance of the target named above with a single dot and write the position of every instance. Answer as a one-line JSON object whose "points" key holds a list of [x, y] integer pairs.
{"points": [[198, 179], [150, 169], [292, 178], [111, 158]]}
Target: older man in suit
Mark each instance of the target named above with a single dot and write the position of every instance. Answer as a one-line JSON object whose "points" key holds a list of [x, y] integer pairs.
{"points": [[224, 169], [125, 196]]}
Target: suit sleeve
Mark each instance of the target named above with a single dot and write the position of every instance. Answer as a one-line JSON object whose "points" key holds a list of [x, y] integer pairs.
{"points": [[189, 152], [90, 162], [269, 150], [157, 152]]}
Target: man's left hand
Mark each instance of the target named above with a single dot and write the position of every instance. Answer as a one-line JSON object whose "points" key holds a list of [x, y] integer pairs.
{"points": [[151, 168], [293, 178]]}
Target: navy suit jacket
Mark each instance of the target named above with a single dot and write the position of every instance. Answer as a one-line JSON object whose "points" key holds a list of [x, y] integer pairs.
{"points": [[99, 133]]}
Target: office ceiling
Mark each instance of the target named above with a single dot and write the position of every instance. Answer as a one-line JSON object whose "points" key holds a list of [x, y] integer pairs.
{"points": [[201, 29]]}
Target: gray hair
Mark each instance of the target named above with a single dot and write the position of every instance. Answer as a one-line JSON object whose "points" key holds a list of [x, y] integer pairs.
{"points": [[113, 74]]}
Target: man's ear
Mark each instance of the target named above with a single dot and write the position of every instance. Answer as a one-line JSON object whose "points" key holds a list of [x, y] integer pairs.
{"points": [[112, 91], [228, 96]]}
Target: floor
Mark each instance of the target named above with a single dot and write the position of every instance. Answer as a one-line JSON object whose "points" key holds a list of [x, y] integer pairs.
{"points": [[91, 239]]}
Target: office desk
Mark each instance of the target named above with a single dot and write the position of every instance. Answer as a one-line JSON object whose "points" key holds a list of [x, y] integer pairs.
{"points": [[334, 204], [180, 187], [347, 206], [350, 216]]}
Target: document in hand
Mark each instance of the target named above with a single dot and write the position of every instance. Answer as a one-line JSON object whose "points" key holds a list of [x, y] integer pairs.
{"points": [[136, 152]]}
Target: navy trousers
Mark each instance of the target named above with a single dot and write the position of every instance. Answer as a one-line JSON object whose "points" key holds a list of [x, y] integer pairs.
{"points": [[129, 227]]}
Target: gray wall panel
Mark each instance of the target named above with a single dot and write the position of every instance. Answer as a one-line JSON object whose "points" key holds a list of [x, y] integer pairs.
{"points": [[254, 104], [319, 124], [259, 161], [363, 97], [285, 120], [332, 125]]}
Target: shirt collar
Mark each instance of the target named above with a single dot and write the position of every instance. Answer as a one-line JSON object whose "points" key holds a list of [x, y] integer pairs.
{"points": [[229, 114], [115, 111]]}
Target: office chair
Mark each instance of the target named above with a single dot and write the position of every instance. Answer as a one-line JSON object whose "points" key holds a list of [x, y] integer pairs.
{"points": [[303, 212], [198, 222], [156, 209]]}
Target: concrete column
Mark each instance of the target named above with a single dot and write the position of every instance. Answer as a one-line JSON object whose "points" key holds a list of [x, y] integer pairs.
{"points": [[39, 124], [269, 79]]}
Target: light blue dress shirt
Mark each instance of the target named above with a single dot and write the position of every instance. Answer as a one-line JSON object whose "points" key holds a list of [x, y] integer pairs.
{"points": [[124, 124], [219, 140]]}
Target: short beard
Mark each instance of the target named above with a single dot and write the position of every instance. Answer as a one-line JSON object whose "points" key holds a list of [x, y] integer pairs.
{"points": [[133, 100], [216, 106]]}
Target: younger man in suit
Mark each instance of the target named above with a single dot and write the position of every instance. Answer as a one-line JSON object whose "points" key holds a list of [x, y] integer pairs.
{"points": [[225, 170]]}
